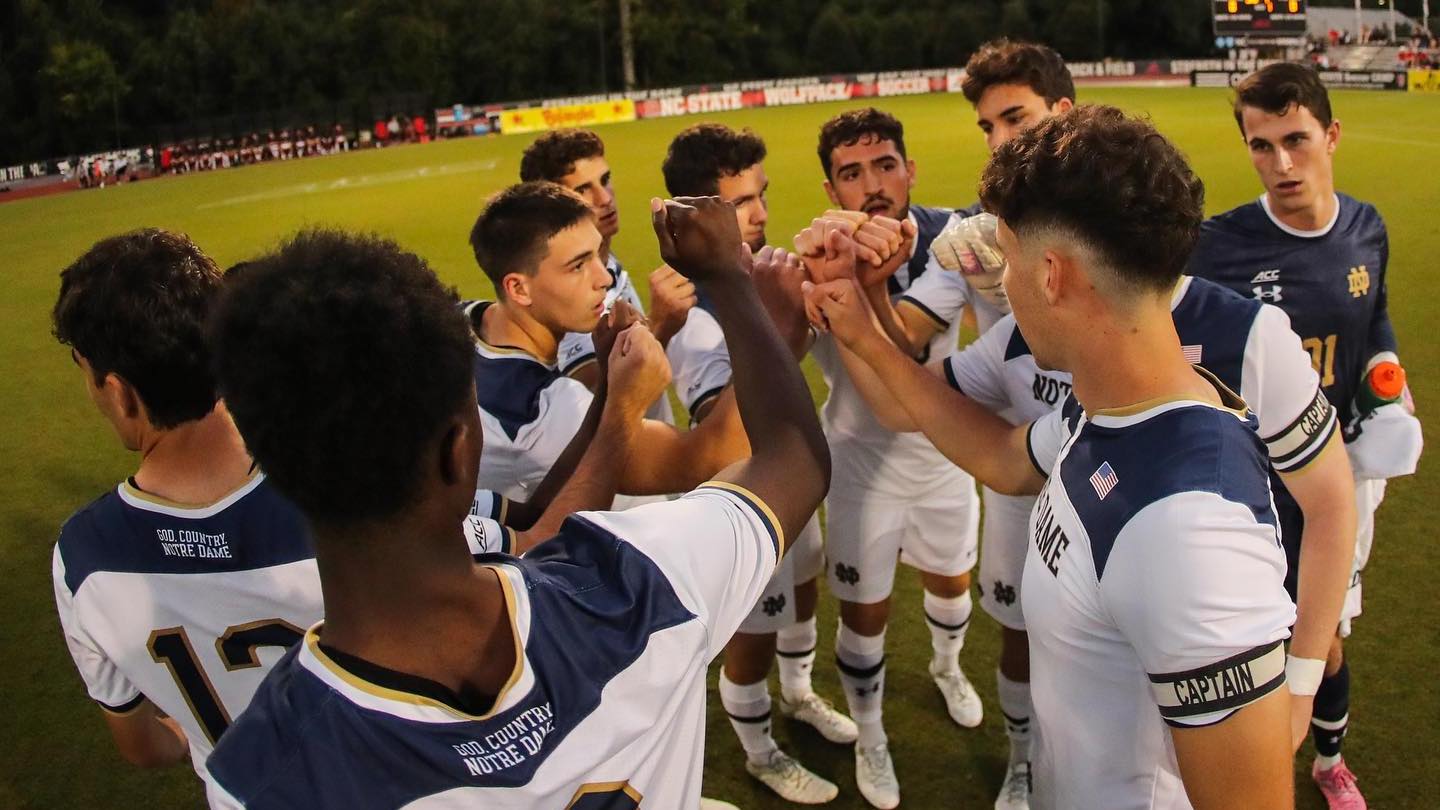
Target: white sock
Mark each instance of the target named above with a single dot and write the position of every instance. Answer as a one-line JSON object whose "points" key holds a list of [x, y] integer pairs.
{"points": [[1015, 705], [795, 650], [748, 706], [948, 619], [1326, 763], [861, 660]]}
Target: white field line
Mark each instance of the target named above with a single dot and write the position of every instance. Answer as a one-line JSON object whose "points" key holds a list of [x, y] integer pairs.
{"points": [[362, 181]]}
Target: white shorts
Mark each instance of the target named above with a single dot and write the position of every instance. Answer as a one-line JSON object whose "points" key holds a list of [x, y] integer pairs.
{"points": [[864, 537], [775, 609], [1004, 542], [1369, 493]]}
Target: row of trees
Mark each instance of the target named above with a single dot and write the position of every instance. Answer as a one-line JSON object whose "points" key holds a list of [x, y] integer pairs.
{"points": [[77, 75]]}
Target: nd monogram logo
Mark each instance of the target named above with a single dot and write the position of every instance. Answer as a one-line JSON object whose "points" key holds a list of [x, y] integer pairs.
{"points": [[772, 605], [847, 574], [1359, 280], [1004, 594]]}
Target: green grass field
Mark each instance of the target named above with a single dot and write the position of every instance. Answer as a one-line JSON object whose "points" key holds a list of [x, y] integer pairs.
{"points": [[56, 752]]}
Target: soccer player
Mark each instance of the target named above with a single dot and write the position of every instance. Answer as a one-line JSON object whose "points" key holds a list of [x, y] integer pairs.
{"points": [[575, 158], [539, 245], [713, 159], [179, 589], [1321, 257], [894, 497], [1129, 635], [571, 677]]}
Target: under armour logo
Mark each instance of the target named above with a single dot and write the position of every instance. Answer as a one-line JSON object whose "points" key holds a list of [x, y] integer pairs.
{"points": [[1359, 280], [847, 574], [1004, 594], [772, 605], [1272, 295]]}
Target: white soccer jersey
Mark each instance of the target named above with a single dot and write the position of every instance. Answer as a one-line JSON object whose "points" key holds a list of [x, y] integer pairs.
{"points": [[699, 360], [615, 620], [188, 607], [1153, 595]]}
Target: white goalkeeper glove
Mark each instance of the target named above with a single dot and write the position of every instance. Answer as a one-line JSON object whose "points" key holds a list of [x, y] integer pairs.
{"points": [[968, 247]]}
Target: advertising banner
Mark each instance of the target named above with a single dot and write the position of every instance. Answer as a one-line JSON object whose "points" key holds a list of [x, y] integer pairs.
{"points": [[534, 119]]}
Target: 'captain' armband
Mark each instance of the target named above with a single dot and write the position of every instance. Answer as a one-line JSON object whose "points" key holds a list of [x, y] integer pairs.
{"points": [[1304, 674], [1302, 440], [1209, 694]]}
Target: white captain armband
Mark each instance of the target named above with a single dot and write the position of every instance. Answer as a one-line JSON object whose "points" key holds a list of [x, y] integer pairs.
{"points": [[1304, 674], [1208, 694], [1303, 439]]}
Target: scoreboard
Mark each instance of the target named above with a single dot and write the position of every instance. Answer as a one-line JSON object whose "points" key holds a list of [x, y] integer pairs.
{"points": [[1259, 18]]}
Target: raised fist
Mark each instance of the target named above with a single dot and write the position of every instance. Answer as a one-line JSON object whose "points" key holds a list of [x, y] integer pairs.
{"points": [[638, 371], [620, 317], [827, 250], [968, 246], [671, 298], [699, 237], [839, 307], [778, 276]]}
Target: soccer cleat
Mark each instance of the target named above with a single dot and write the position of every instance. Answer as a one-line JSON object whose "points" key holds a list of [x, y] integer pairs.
{"points": [[792, 781], [960, 697], [1338, 786], [1015, 791], [715, 804], [821, 715], [875, 776]]}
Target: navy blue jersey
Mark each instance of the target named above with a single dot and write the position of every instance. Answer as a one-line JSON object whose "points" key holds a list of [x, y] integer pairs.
{"points": [[1330, 282]]}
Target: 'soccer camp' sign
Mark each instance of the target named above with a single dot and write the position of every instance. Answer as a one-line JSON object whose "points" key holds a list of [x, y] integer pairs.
{"points": [[1354, 79]]}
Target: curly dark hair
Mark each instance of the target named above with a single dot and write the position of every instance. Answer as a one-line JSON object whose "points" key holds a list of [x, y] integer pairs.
{"points": [[1277, 87], [510, 235], [1003, 61], [341, 358], [553, 155], [1112, 181], [847, 128], [135, 305], [701, 155]]}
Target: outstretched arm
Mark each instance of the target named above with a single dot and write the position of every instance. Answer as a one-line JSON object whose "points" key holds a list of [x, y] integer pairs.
{"points": [[964, 431], [790, 466]]}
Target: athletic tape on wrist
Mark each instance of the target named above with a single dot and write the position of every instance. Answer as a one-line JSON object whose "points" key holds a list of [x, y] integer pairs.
{"points": [[1304, 674]]}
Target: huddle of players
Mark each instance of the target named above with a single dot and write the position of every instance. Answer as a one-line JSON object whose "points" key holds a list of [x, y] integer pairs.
{"points": [[575, 673]]}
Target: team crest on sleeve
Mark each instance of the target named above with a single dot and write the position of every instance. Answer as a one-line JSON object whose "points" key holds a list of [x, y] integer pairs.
{"points": [[1104, 480]]}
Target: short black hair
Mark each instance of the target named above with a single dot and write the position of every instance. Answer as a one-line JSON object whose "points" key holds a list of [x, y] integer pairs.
{"points": [[341, 358], [135, 305], [701, 155], [1112, 181], [1005, 61], [510, 235], [848, 128], [553, 155], [1276, 88]]}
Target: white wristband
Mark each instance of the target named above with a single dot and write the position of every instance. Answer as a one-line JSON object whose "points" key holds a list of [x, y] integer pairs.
{"points": [[1304, 674]]}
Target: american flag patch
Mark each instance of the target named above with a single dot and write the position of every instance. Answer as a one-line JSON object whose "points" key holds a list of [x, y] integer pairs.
{"points": [[1192, 354], [1104, 479]]}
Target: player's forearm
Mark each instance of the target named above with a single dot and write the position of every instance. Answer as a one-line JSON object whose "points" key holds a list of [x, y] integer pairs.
{"points": [[593, 477], [964, 431], [772, 398], [147, 740], [522, 516], [667, 460], [890, 320], [890, 414], [1325, 492]]}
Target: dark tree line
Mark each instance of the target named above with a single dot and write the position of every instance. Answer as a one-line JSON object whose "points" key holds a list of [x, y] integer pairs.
{"points": [[79, 75]]}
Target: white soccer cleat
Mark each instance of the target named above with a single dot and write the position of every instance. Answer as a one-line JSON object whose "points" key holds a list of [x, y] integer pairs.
{"points": [[875, 776], [1015, 791], [715, 804], [821, 715], [961, 699], [792, 781]]}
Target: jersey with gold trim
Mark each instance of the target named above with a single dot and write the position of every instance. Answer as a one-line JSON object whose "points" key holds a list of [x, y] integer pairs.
{"points": [[1331, 283], [188, 607], [615, 619], [1153, 595]]}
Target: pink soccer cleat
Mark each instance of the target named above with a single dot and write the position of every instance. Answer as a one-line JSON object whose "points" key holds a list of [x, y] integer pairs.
{"points": [[1339, 787]]}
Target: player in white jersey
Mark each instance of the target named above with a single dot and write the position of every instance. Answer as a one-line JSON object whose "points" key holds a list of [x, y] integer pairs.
{"points": [[178, 590], [1322, 257], [575, 158], [1101, 226], [715, 159], [572, 677], [539, 245]]}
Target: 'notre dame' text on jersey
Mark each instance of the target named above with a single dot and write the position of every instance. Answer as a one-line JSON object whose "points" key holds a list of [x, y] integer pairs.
{"points": [[1331, 282]]}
